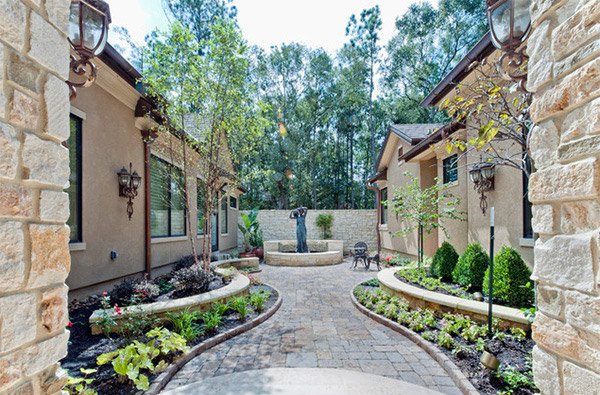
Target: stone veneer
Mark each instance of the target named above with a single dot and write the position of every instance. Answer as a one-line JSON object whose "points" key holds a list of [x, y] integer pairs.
{"points": [[564, 74], [34, 170], [350, 226]]}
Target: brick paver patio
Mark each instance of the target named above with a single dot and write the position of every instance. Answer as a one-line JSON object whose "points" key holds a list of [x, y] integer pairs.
{"points": [[317, 326]]}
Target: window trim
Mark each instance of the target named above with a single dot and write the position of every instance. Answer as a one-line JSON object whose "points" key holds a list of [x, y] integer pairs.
{"points": [[233, 199], [79, 169], [185, 229], [454, 165]]}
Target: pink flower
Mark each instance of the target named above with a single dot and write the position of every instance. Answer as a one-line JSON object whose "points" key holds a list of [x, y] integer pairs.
{"points": [[388, 258], [116, 305], [70, 324], [104, 293], [118, 310]]}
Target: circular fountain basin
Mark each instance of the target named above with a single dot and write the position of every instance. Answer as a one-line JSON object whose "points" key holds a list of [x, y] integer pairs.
{"points": [[323, 253]]}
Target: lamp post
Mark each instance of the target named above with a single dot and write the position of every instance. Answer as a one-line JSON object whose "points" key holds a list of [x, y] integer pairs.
{"points": [[510, 25], [129, 182], [88, 33]]}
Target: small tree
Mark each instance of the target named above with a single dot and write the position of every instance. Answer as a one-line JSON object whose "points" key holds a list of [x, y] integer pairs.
{"points": [[423, 209], [324, 222], [209, 101], [495, 115]]}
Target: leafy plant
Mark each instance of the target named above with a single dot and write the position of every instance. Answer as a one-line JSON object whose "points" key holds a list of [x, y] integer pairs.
{"points": [[445, 340], [444, 261], [132, 361], [136, 323], [471, 266], [250, 229], [515, 380], [391, 311], [81, 385], [185, 262], [258, 299], [191, 281], [480, 344], [211, 320], [474, 333], [239, 304], [429, 336], [511, 279], [518, 333], [325, 222], [371, 283], [145, 291], [121, 293], [107, 322], [418, 276], [529, 313], [184, 323]]}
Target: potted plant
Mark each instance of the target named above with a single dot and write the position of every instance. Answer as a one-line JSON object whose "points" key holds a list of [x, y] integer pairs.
{"points": [[256, 242], [249, 227]]}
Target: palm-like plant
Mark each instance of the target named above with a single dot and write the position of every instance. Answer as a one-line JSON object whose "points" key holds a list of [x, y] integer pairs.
{"points": [[249, 227]]}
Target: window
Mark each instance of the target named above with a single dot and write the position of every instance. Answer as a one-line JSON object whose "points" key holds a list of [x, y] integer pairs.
{"points": [[383, 209], [527, 210], [74, 189], [167, 199], [233, 202], [450, 169], [200, 201], [224, 215]]}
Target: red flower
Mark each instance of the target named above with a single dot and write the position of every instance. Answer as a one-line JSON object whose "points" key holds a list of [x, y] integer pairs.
{"points": [[388, 258], [118, 310], [70, 324]]}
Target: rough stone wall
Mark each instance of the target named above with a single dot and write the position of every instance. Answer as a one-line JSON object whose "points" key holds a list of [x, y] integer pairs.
{"points": [[351, 226], [34, 169], [564, 73]]}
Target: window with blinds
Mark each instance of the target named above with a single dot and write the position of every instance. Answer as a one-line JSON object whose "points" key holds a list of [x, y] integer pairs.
{"points": [[224, 215], [74, 189], [167, 199], [200, 202]]}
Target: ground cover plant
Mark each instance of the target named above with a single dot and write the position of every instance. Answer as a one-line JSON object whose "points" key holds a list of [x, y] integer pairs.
{"points": [[462, 339], [125, 361], [421, 278]]}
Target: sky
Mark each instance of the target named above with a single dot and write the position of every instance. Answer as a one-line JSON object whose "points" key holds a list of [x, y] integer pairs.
{"points": [[316, 23]]}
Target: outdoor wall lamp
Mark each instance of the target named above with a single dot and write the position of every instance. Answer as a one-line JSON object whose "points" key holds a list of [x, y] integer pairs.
{"points": [[510, 24], [482, 176], [88, 32], [129, 182]]}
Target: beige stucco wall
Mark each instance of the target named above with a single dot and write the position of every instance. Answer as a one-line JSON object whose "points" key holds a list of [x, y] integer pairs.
{"points": [[34, 170], [110, 141]]}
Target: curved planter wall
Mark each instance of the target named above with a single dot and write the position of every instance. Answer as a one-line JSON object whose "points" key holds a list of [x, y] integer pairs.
{"points": [[279, 253], [418, 297], [238, 286]]}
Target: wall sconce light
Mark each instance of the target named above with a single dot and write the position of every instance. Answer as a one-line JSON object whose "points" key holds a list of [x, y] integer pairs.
{"points": [[482, 176], [510, 24], [88, 33], [129, 182]]}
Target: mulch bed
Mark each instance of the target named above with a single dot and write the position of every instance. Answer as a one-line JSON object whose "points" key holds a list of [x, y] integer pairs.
{"points": [[509, 351], [84, 348]]}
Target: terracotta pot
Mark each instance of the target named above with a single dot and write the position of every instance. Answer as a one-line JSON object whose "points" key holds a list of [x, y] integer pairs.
{"points": [[247, 254], [259, 252]]}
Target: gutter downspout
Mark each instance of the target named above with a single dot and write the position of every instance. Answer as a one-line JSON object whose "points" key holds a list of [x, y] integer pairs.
{"points": [[372, 185]]}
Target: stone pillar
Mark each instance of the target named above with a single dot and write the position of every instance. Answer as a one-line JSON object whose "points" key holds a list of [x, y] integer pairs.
{"points": [[34, 170], [564, 74]]}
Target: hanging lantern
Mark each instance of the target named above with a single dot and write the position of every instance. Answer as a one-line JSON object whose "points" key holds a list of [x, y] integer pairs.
{"points": [[88, 34]]}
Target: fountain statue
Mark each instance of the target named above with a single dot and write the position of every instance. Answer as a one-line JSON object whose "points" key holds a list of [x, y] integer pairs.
{"points": [[299, 215]]}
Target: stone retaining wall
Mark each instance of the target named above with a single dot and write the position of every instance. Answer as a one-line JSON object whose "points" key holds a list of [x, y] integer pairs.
{"points": [[34, 169], [564, 73], [351, 226]]}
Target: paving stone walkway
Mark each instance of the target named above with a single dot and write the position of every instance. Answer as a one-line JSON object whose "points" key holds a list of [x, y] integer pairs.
{"points": [[318, 327]]}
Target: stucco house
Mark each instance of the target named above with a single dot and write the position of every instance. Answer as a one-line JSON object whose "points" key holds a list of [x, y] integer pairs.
{"points": [[421, 150], [112, 125]]}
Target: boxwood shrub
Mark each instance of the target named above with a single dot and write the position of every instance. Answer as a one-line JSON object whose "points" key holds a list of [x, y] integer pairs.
{"points": [[471, 267], [444, 261], [511, 279]]}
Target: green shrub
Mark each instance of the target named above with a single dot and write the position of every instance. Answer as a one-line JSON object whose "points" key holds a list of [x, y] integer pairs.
{"points": [[324, 222], [239, 304], [511, 279], [471, 267], [184, 323], [444, 262], [258, 299], [191, 281]]}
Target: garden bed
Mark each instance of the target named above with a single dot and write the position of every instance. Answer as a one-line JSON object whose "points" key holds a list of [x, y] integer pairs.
{"points": [[84, 349], [459, 338], [419, 297]]}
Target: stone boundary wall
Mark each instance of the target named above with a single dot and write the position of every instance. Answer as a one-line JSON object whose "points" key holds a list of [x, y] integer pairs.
{"points": [[34, 170], [564, 74], [351, 226]]}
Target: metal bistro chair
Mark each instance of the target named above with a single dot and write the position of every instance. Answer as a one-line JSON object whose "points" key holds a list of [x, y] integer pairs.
{"points": [[360, 253]]}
